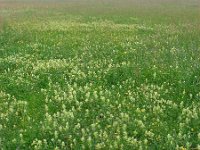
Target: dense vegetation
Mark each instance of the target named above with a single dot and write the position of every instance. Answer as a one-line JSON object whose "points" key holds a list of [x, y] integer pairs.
{"points": [[100, 75]]}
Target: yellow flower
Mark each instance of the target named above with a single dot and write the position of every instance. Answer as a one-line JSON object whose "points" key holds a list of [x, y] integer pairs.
{"points": [[182, 148]]}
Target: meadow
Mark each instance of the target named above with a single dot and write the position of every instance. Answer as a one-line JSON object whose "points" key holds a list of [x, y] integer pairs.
{"points": [[97, 74]]}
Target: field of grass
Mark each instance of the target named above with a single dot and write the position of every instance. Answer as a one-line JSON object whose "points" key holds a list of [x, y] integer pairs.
{"points": [[100, 74]]}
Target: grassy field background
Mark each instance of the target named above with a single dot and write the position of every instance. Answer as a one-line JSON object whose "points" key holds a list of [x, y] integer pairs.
{"points": [[97, 74]]}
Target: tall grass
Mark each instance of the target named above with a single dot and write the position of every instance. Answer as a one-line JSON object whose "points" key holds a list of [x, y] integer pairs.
{"points": [[100, 75]]}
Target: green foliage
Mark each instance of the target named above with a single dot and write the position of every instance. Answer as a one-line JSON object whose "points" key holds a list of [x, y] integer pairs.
{"points": [[100, 75]]}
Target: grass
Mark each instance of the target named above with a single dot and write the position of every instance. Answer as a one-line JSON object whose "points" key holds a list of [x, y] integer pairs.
{"points": [[99, 74]]}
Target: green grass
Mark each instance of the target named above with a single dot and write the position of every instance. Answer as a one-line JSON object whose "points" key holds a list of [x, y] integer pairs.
{"points": [[99, 75]]}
